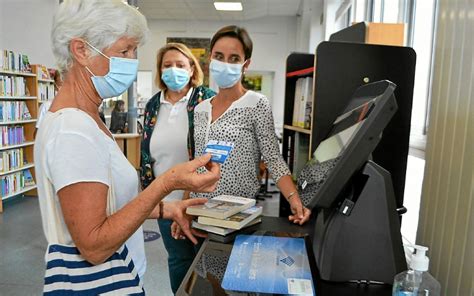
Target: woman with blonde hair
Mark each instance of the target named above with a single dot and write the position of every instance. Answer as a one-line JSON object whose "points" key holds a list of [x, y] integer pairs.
{"points": [[168, 137]]}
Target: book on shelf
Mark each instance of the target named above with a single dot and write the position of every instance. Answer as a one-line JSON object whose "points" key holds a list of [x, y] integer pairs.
{"points": [[13, 111], [15, 62], [14, 182], [303, 102], [12, 159], [46, 91], [307, 112], [43, 72], [236, 221], [14, 86], [222, 206], [11, 135], [269, 264], [221, 230], [297, 101], [28, 178]]}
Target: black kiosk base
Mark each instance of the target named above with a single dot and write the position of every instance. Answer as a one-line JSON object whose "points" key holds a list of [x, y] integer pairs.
{"points": [[361, 240]]}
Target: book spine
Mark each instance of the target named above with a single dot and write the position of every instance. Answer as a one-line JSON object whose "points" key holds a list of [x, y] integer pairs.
{"points": [[14, 110], [296, 104], [303, 101], [309, 104], [15, 182]]}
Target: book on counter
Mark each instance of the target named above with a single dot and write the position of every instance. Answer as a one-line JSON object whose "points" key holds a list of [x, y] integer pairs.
{"points": [[269, 264], [236, 221], [221, 207], [220, 230], [248, 229]]}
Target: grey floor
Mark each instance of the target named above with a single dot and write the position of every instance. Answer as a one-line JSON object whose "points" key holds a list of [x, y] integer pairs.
{"points": [[22, 249]]}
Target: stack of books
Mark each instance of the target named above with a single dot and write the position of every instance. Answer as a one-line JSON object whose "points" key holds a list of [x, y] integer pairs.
{"points": [[225, 214]]}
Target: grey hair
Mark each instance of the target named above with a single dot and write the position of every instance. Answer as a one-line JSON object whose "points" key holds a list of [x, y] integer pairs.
{"points": [[99, 22]]}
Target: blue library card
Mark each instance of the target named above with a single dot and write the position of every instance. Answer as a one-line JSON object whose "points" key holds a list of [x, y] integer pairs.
{"points": [[268, 264], [219, 150]]}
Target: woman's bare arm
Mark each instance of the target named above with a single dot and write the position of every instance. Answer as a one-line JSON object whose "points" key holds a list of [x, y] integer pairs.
{"points": [[98, 236]]}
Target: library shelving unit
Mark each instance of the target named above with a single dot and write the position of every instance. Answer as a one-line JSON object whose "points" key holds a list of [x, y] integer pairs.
{"points": [[296, 148], [298, 65], [338, 68], [17, 134], [45, 84]]}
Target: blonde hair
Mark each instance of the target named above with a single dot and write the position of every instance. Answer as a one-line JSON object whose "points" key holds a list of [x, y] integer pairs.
{"points": [[195, 80]]}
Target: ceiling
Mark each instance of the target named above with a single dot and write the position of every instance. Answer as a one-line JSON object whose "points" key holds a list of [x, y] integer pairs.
{"points": [[203, 10]]}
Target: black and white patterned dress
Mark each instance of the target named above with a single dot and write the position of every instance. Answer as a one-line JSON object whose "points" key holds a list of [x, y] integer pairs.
{"points": [[248, 123]]}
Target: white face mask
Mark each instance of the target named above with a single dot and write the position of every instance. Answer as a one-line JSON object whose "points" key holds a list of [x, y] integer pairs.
{"points": [[224, 74]]}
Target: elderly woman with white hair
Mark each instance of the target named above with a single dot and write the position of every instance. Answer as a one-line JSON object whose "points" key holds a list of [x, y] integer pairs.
{"points": [[91, 209]]}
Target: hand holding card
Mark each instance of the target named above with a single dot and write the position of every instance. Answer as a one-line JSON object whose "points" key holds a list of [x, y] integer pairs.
{"points": [[219, 150]]}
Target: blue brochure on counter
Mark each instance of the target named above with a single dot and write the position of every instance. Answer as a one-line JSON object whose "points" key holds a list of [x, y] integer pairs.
{"points": [[268, 264]]}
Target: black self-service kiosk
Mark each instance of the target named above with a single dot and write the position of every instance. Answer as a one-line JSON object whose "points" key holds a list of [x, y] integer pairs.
{"points": [[357, 233]]}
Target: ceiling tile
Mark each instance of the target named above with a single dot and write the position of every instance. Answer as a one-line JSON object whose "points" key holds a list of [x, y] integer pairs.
{"points": [[204, 9]]}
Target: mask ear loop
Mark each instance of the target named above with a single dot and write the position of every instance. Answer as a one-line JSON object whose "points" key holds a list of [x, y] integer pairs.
{"points": [[93, 47], [243, 67]]}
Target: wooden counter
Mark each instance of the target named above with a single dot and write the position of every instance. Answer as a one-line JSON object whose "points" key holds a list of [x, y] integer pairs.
{"points": [[130, 145]]}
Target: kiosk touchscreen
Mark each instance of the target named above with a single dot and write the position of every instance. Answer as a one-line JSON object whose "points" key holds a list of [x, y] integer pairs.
{"points": [[357, 235], [354, 135]]}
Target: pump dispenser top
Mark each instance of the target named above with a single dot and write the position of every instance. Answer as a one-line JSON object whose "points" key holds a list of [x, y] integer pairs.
{"points": [[419, 260], [417, 281]]}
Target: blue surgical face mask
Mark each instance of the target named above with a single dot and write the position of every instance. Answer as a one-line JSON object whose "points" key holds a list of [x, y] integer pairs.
{"points": [[122, 73], [175, 78], [224, 74]]}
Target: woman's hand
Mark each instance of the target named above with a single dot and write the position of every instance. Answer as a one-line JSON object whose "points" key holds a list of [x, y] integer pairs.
{"points": [[176, 211], [300, 213], [185, 176]]}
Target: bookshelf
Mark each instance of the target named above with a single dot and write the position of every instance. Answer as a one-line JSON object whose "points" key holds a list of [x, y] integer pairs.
{"points": [[45, 85], [17, 91], [298, 65]]}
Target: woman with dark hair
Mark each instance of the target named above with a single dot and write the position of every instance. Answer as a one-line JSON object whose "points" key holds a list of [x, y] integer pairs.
{"points": [[243, 117], [118, 120]]}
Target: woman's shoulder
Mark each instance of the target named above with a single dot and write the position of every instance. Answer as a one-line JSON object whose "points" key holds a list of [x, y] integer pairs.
{"points": [[205, 92], [74, 121], [256, 96], [252, 99], [153, 100], [203, 106]]}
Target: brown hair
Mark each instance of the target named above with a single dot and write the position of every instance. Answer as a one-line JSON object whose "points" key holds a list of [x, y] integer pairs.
{"points": [[196, 79], [235, 32]]}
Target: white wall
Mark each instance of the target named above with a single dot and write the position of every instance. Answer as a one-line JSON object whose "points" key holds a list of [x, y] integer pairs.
{"points": [[331, 25], [310, 31], [273, 39], [25, 27]]}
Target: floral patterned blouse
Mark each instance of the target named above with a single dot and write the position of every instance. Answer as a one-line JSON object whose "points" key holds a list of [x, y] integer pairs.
{"points": [[152, 109]]}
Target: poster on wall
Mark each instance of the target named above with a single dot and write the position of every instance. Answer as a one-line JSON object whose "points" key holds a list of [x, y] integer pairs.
{"points": [[253, 82], [200, 49]]}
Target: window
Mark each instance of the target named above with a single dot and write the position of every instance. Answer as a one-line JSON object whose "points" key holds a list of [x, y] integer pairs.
{"points": [[419, 17]]}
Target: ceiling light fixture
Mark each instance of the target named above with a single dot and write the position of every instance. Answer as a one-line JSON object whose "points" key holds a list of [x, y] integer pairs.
{"points": [[228, 6]]}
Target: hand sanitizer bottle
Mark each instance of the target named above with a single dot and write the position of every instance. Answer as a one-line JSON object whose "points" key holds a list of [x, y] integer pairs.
{"points": [[416, 281]]}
